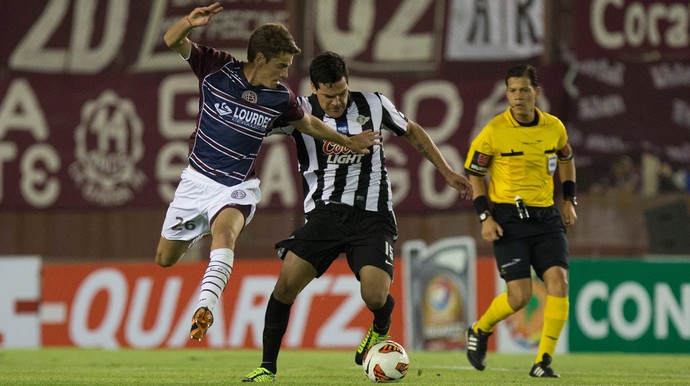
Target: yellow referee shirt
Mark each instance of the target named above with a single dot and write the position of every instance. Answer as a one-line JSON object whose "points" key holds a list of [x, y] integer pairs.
{"points": [[520, 160]]}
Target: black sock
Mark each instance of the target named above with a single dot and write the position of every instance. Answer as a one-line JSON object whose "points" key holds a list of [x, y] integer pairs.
{"points": [[275, 325], [382, 316]]}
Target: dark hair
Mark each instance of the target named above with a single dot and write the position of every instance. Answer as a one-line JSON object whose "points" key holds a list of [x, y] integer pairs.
{"points": [[272, 40], [327, 67], [524, 70]]}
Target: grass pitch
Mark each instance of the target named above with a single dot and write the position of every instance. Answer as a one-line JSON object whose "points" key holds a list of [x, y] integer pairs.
{"points": [[70, 366]]}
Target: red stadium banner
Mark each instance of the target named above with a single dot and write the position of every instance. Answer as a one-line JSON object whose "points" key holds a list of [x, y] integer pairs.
{"points": [[95, 111], [632, 30], [146, 306]]}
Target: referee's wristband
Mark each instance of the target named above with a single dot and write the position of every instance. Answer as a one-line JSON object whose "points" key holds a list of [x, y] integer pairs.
{"points": [[481, 204], [569, 189]]}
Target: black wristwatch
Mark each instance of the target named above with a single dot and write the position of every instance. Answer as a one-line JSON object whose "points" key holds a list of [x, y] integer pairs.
{"points": [[572, 199], [484, 215]]}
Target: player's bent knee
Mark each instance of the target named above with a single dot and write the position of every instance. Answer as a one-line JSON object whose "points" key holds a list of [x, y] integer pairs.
{"points": [[374, 299], [520, 301], [285, 293], [164, 261]]}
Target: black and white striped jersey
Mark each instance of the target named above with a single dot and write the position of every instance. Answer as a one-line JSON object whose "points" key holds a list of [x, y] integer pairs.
{"points": [[332, 173]]}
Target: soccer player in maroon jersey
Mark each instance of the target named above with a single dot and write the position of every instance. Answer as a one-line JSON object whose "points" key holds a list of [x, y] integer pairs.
{"points": [[239, 102]]}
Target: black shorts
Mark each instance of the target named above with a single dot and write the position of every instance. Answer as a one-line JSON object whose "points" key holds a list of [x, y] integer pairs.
{"points": [[538, 242], [366, 238]]}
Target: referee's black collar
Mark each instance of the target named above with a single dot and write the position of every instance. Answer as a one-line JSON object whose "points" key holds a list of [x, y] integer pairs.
{"points": [[534, 122]]}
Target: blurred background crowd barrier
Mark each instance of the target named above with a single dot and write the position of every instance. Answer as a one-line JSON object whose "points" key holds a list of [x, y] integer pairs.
{"points": [[95, 112]]}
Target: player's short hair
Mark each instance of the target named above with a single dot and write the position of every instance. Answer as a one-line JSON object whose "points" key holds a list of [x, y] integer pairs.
{"points": [[327, 67], [523, 70], [272, 40]]}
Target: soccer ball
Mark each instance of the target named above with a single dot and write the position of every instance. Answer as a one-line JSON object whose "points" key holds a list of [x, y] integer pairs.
{"points": [[386, 361]]}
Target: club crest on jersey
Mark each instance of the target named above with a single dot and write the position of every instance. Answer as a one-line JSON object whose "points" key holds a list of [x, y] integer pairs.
{"points": [[249, 96], [361, 119]]}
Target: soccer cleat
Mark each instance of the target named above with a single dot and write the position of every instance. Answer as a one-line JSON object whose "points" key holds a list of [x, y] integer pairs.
{"points": [[201, 322], [543, 369], [370, 339], [260, 375], [477, 343]]}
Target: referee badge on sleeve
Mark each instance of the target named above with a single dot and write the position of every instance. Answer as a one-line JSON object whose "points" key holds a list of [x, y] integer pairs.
{"points": [[480, 162]]}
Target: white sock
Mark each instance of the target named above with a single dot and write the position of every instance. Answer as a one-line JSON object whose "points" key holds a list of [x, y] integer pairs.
{"points": [[216, 277]]}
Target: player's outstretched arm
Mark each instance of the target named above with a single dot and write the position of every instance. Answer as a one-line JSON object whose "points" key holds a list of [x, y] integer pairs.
{"points": [[420, 140], [176, 36], [359, 143]]}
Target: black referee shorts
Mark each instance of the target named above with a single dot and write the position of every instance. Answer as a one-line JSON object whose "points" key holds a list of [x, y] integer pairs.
{"points": [[538, 242], [366, 238]]}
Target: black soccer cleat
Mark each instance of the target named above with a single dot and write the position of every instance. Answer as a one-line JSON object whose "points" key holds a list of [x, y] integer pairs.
{"points": [[543, 369], [477, 343]]}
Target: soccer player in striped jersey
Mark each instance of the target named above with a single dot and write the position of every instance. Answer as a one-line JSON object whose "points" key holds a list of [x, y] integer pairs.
{"points": [[239, 103], [521, 149], [348, 206]]}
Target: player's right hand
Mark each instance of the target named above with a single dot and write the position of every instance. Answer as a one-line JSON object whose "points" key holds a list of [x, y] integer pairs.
{"points": [[202, 15], [361, 142], [491, 231]]}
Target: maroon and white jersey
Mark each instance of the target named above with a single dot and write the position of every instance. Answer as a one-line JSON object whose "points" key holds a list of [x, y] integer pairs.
{"points": [[334, 174], [234, 116]]}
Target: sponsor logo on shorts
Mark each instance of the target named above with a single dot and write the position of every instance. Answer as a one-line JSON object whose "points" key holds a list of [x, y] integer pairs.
{"points": [[511, 263], [238, 194]]}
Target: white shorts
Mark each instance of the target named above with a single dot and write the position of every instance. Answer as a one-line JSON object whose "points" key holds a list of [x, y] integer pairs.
{"points": [[198, 199]]}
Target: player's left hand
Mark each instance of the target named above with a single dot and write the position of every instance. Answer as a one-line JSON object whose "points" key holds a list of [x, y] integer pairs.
{"points": [[361, 142], [569, 214], [461, 184]]}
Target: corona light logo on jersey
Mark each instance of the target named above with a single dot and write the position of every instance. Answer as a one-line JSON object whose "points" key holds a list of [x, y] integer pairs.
{"points": [[339, 154], [108, 145]]}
